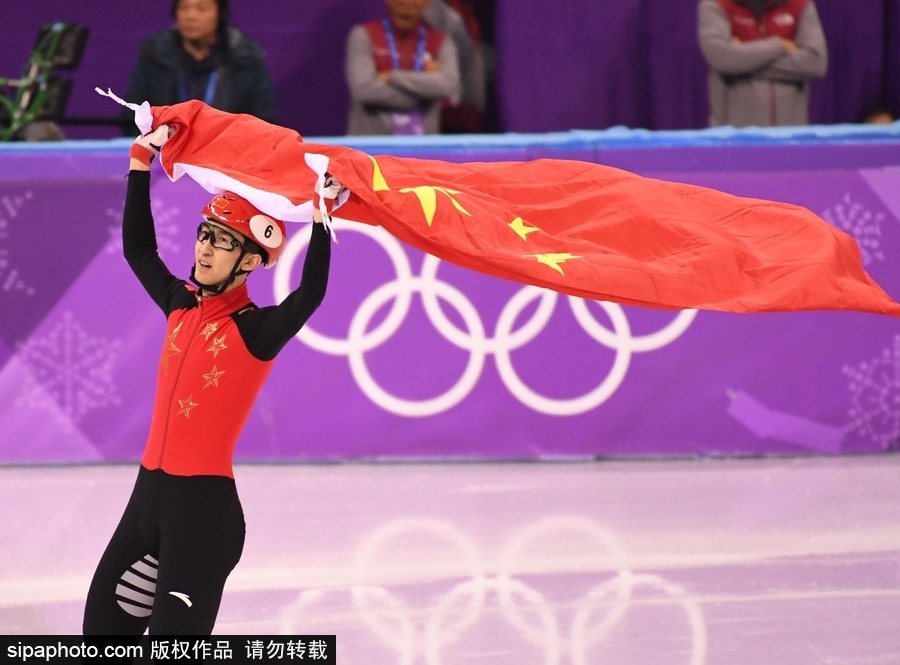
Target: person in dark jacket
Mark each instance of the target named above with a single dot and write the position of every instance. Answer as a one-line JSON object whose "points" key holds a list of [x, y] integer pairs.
{"points": [[202, 57]]}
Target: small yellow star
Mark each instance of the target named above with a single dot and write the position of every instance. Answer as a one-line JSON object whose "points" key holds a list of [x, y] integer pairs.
{"points": [[186, 406], [209, 329], [217, 346], [171, 340], [212, 378], [553, 260], [519, 226]]}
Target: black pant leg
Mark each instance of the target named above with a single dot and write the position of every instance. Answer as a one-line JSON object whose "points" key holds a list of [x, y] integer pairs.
{"points": [[122, 590], [201, 539]]}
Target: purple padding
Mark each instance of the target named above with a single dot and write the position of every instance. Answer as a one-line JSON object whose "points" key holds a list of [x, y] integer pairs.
{"points": [[584, 64], [410, 358]]}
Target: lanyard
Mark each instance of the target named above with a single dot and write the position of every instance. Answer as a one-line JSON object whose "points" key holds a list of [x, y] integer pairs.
{"points": [[210, 87], [395, 54]]}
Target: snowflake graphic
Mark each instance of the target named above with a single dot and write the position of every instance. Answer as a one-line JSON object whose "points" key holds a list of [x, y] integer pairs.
{"points": [[10, 277], [862, 224], [70, 372], [875, 398], [166, 230]]}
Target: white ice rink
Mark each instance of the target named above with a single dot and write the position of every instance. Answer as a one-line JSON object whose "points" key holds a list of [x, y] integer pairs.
{"points": [[726, 562]]}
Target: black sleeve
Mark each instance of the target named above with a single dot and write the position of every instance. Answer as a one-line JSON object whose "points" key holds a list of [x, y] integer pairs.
{"points": [[139, 246], [266, 330]]}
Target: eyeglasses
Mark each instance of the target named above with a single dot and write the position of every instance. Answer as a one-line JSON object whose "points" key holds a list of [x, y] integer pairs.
{"points": [[217, 237]]}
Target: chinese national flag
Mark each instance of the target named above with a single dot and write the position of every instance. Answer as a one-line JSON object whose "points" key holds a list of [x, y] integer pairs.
{"points": [[578, 228]]}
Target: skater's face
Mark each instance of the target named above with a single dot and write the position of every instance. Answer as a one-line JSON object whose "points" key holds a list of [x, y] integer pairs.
{"points": [[217, 249]]}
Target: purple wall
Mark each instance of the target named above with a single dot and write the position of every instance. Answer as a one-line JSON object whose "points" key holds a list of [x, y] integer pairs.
{"points": [[410, 358], [577, 64], [594, 64]]}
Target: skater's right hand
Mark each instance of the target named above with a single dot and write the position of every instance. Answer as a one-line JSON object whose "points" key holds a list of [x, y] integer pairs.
{"points": [[146, 147]]}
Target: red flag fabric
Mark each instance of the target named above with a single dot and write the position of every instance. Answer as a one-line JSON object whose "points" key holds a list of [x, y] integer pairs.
{"points": [[575, 227]]}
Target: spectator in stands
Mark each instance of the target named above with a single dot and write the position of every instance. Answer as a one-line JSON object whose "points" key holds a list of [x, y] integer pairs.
{"points": [[399, 71], [202, 57], [464, 117], [878, 115], [762, 55]]}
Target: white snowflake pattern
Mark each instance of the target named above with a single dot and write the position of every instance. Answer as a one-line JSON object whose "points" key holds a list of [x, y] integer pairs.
{"points": [[167, 232], [875, 398], [10, 277], [862, 224], [70, 372]]}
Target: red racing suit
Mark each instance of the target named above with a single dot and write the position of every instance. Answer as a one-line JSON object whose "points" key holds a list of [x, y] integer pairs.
{"points": [[218, 349], [207, 383]]}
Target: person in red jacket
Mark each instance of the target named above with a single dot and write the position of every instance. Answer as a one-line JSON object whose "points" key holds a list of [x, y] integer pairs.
{"points": [[182, 531], [762, 54], [399, 71]]}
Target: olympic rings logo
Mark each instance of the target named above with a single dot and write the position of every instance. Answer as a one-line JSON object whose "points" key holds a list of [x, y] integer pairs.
{"points": [[361, 337], [420, 631]]}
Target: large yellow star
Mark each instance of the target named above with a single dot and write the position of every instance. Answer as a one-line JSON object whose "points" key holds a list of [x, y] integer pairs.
{"points": [[426, 193], [209, 329], [217, 346], [428, 199], [520, 227], [553, 260], [186, 406], [379, 184], [212, 378]]}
